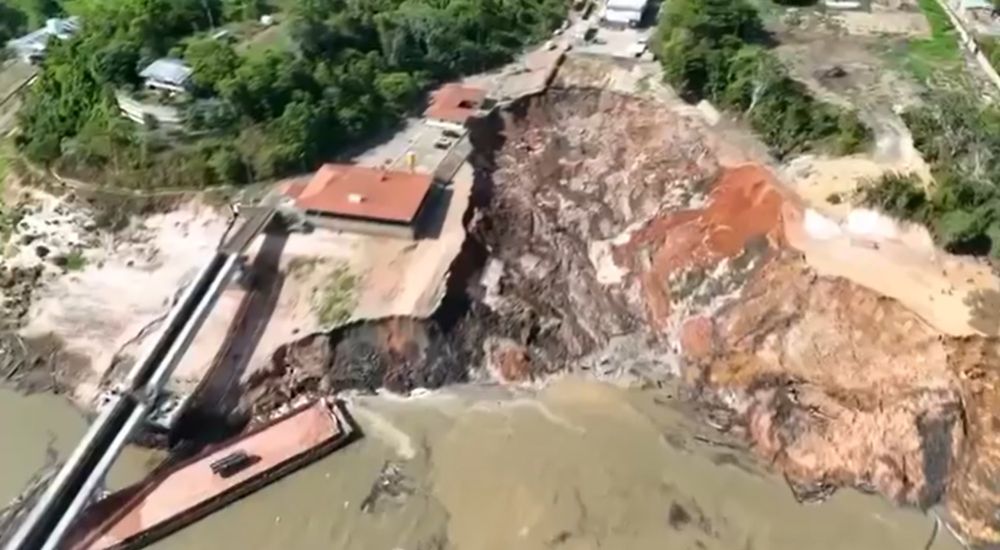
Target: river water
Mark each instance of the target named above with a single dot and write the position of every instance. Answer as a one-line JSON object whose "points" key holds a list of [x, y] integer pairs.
{"points": [[31, 426], [577, 465]]}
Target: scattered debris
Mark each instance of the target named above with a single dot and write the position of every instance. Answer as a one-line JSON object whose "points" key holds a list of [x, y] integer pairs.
{"points": [[391, 484]]}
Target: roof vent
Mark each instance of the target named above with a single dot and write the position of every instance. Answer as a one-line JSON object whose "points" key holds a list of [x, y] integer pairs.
{"points": [[355, 198]]}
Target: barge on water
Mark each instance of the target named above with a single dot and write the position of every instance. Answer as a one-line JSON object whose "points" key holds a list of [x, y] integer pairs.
{"points": [[179, 495]]}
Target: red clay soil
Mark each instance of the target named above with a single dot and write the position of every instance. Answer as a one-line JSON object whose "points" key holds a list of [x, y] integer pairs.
{"points": [[512, 362], [744, 203], [698, 337]]}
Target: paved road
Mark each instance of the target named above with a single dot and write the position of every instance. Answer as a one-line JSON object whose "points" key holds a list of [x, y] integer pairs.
{"points": [[14, 77], [255, 219]]}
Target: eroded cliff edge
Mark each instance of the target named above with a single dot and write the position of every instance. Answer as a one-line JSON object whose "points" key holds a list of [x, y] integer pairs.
{"points": [[613, 234]]}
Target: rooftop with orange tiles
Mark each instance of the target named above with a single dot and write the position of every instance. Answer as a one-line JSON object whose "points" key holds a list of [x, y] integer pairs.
{"points": [[455, 103], [362, 192]]}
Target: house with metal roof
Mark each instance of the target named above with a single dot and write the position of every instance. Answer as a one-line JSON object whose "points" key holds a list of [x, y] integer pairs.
{"points": [[33, 46], [973, 5], [625, 13], [167, 74]]}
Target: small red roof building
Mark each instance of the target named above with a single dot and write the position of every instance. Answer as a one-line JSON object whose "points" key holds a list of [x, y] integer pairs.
{"points": [[455, 103], [362, 192]]}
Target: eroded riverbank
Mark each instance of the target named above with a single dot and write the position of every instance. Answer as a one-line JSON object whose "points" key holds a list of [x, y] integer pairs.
{"points": [[614, 237], [579, 465]]}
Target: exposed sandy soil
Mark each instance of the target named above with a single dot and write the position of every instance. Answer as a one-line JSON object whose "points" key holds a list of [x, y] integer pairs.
{"points": [[393, 278], [408, 278], [844, 64], [882, 22], [275, 302], [127, 284], [106, 313], [946, 291], [832, 382], [829, 184], [615, 242], [619, 234]]}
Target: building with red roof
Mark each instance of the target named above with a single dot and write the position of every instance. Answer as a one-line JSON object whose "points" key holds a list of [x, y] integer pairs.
{"points": [[453, 104], [362, 199]]}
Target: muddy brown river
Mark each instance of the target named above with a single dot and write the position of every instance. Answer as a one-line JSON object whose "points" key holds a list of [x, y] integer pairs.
{"points": [[577, 465]]}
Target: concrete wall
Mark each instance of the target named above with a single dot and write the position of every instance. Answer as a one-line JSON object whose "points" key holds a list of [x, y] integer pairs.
{"points": [[169, 117], [452, 161], [365, 227], [445, 124]]}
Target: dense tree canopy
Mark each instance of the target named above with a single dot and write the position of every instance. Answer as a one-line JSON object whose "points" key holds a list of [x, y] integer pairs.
{"points": [[714, 49], [354, 67], [960, 138], [17, 17]]}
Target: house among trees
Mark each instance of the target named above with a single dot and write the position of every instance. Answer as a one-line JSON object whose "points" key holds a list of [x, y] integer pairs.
{"points": [[452, 104], [365, 200], [32, 47], [981, 11], [624, 13], [167, 74], [166, 82]]}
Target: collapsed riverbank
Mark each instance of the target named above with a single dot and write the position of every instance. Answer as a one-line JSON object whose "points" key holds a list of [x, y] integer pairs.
{"points": [[645, 472], [611, 235], [618, 236]]}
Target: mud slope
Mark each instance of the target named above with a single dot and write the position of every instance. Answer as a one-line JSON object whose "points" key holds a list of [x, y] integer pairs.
{"points": [[525, 298], [606, 238]]}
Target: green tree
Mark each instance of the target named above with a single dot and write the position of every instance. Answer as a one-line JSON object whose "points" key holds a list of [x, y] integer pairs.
{"points": [[61, 102], [713, 49], [13, 22], [398, 90], [241, 10], [116, 63], [356, 67], [227, 165], [34, 12], [211, 62], [262, 86]]}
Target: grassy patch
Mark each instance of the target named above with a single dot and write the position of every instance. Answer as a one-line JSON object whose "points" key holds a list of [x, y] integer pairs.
{"points": [[273, 38], [931, 58], [301, 266], [253, 38], [337, 297], [75, 261]]}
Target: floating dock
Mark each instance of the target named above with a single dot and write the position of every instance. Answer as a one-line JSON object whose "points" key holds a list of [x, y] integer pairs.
{"points": [[179, 495]]}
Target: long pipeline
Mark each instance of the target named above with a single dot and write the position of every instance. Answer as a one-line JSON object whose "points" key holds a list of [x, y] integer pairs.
{"points": [[159, 376], [75, 481]]}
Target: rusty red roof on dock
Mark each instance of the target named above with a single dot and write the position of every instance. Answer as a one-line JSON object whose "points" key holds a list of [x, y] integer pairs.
{"points": [[174, 497], [362, 192]]}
